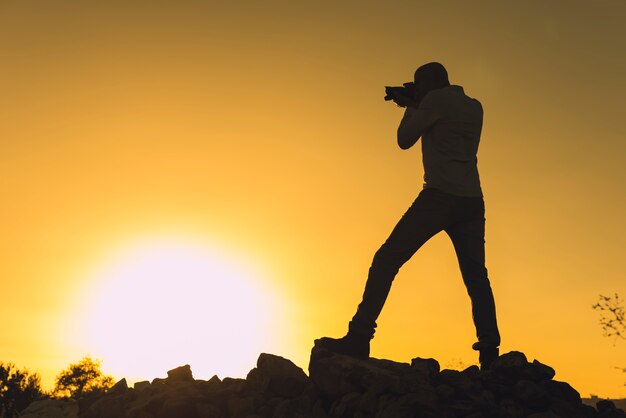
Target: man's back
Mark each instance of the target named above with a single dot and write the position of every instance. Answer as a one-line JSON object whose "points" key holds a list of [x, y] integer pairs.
{"points": [[449, 148], [450, 124]]}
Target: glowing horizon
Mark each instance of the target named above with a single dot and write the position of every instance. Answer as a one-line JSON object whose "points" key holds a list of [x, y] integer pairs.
{"points": [[164, 301]]}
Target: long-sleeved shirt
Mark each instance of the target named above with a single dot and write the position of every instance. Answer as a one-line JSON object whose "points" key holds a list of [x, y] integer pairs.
{"points": [[449, 123]]}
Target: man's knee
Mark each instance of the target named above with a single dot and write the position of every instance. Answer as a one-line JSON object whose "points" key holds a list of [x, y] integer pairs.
{"points": [[389, 259]]}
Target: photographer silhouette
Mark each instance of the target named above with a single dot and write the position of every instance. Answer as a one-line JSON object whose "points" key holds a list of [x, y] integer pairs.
{"points": [[449, 123]]}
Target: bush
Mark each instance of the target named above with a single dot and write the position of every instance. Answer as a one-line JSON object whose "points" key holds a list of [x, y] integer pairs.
{"points": [[82, 379], [18, 388]]}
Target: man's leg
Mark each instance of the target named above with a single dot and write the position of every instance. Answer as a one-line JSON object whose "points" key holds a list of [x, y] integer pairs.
{"points": [[427, 216], [468, 237]]}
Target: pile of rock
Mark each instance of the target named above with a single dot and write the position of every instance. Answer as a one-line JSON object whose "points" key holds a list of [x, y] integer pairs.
{"points": [[341, 386], [512, 388]]}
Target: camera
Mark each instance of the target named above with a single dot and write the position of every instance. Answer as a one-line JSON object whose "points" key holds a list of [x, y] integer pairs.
{"points": [[406, 90]]}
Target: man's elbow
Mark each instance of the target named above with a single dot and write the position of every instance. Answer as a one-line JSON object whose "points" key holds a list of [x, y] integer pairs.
{"points": [[405, 142]]}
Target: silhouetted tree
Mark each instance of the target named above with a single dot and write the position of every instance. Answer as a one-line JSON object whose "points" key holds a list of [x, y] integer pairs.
{"points": [[18, 388], [612, 313], [81, 379], [611, 316]]}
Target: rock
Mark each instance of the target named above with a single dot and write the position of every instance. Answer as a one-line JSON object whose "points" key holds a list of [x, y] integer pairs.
{"points": [[607, 409], [509, 409], [543, 415], [395, 410], [120, 387], [148, 401], [445, 392], [308, 398], [488, 402], [240, 407], [214, 379], [539, 371], [459, 381], [510, 365], [613, 413], [463, 407], [368, 401], [605, 405], [589, 411], [180, 374], [346, 406], [330, 374], [472, 371], [177, 407], [278, 375], [290, 408], [530, 394], [562, 390], [206, 410], [141, 385], [337, 375], [563, 408], [212, 385], [428, 366], [51, 408], [476, 415], [105, 407]]}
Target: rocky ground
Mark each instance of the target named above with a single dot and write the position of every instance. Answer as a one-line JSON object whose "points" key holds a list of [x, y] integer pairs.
{"points": [[619, 403], [340, 386]]}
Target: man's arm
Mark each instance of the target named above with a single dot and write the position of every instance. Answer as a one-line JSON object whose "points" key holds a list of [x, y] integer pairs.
{"points": [[414, 124]]}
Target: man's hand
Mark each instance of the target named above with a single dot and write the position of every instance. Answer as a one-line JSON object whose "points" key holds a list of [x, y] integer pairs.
{"points": [[404, 101]]}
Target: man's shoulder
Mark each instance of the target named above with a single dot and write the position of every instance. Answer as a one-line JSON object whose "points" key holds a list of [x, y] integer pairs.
{"points": [[435, 98], [449, 94], [465, 96], [437, 93]]}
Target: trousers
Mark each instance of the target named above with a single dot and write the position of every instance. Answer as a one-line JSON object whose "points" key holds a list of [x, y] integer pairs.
{"points": [[433, 211]]}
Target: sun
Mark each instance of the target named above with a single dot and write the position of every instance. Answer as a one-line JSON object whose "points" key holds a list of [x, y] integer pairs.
{"points": [[162, 303]]}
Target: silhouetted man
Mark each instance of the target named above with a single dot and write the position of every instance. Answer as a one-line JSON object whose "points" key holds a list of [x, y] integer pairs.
{"points": [[449, 123]]}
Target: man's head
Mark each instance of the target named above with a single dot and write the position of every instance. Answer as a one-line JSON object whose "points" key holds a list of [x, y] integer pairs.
{"points": [[429, 77]]}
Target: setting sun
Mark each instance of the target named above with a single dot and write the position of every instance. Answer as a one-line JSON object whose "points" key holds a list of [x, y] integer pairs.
{"points": [[163, 303]]}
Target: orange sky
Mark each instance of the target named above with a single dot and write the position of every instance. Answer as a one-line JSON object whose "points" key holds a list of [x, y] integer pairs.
{"points": [[259, 129]]}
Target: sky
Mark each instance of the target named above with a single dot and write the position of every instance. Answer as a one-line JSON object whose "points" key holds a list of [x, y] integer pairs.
{"points": [[197, 182]]}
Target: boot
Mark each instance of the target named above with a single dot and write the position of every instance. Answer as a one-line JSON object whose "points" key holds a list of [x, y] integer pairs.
{"points": [[487, 354], [352, 344]]}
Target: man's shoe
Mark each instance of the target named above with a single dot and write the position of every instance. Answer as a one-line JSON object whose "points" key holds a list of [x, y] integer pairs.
{"points": [[488, 353], [352, 344]]}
